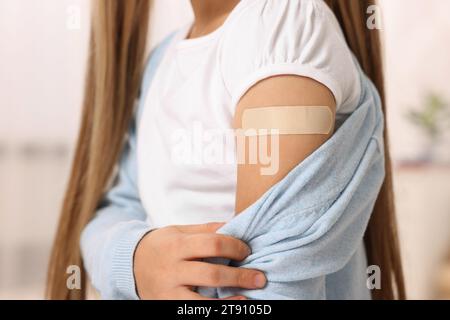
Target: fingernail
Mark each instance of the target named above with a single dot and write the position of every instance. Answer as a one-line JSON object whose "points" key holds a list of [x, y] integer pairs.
{"points": [[260, 280]]}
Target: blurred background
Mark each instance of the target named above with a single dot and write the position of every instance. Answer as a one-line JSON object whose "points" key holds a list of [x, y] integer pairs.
{"points": [[42, 60]]}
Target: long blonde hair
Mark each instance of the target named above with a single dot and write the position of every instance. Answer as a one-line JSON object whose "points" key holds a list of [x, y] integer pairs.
{"points": [[117, 53]]}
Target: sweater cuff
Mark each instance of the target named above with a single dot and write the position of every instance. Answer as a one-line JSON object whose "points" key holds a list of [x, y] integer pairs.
{"points": [[123, 262]]}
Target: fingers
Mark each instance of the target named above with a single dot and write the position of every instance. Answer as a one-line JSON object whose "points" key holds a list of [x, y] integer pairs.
{"points": [[186, 294], [203, 274], [201, 228], [206, 245], [236, 298]]}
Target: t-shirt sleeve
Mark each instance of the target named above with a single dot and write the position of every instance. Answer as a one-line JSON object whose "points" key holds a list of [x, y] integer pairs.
{"points": [[289, 37]]}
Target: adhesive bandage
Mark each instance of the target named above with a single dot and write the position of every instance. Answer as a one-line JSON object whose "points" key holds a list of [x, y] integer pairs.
{"points": [[284, 120]]}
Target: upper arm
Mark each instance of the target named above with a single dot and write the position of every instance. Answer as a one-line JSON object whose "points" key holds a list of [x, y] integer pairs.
{"points": [[285, 53], [284, 152]]}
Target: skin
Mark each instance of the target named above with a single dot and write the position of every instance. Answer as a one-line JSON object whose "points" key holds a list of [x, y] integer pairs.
{"points": [[174, 274], [293, 149], [210, 15]]}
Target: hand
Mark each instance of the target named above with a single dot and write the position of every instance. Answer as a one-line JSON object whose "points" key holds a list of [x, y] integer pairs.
{"points": [[167, 263]]}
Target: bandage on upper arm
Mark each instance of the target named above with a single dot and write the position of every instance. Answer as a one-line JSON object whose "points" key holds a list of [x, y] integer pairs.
{"points": [[288, 120]]}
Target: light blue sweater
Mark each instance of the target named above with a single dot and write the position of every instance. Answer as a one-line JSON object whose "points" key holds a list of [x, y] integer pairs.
{"points": [[306, 232]]}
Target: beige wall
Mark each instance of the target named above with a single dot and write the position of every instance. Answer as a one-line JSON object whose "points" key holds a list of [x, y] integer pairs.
{"points": [[417, 36]]}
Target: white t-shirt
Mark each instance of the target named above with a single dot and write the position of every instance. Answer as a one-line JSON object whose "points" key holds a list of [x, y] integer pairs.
{"points": [[187, 171]]}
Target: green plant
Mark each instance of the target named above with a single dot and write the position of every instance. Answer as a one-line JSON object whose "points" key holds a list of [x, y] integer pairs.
{"points": [[433, 118]]}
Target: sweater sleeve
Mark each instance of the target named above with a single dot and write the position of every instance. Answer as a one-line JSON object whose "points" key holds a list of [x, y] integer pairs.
{"points": [[109, 241], [306, 233]]}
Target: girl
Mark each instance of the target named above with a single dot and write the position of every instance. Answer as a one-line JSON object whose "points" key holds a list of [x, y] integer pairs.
{"points": [[152, 232]]}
